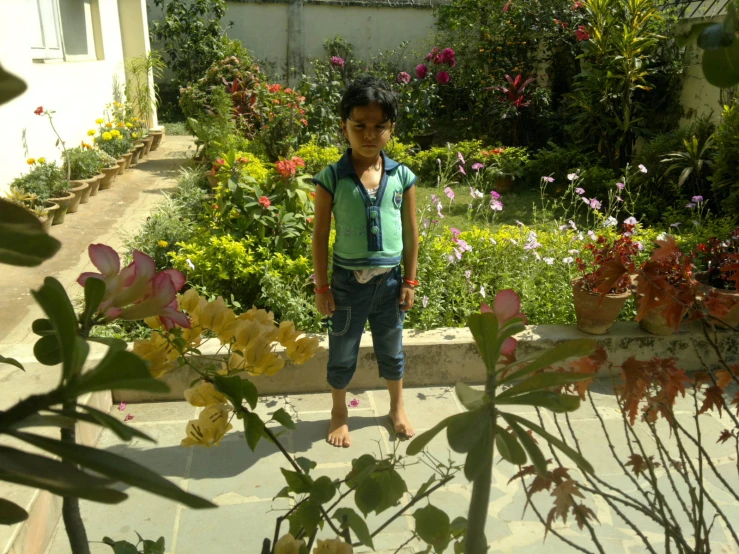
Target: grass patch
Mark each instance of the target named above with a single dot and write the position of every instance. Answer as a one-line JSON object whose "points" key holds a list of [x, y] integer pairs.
{"points": [[175, 128]]}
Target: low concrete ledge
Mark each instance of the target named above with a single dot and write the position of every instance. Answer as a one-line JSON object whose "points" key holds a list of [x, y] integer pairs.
{"points": [[447, 355]]}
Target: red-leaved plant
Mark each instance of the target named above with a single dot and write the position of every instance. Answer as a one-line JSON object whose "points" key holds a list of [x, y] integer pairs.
{"points": [[612, 264]]}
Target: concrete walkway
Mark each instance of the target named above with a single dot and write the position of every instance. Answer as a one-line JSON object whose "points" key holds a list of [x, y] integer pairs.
{"points": [[243, 483]]}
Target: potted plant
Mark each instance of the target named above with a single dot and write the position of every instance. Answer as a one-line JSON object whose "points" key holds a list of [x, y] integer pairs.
{"points": [[46, 182], [44, 210], [110, 168], [605, 285], [141, 72], [83, 166], [113, 142], [719, 280], [506, 164]]}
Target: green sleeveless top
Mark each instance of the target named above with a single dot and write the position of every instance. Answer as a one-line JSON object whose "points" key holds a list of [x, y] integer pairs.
{"points": [[368, 233]]}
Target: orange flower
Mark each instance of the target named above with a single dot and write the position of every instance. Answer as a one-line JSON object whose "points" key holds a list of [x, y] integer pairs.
{"points": [[264, 201]]}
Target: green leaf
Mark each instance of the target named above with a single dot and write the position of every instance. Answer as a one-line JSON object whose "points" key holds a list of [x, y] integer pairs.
{"points": [[11, 361], [298, 483], [115, 467], [305, 464], [466, 430], [54, 476], [249, 392], [508, 447], [23, 241], [120, 547], [543, 381], [420, 442], [231, 387], [10, 86], [54, 301], [42, 327], [426, 486], [368, 496], [307, 517], [253, 429], [532, 449], [284, 493], [96, 417], [323, 490], [557, 403], [11, 513], [714, 37], [480, 456], [284, 419], [47, 350], [470, 398], [151, 547], [568, 451], [94, 292], [433, 526], [362, 468], [118, 370], [484, 328], [577, 348], [721, 66], [459, 526], [356, 524], [392, 487]]}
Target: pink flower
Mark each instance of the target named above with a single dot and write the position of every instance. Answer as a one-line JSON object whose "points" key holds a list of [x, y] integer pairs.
{"points": [[39, 110], [580, 190], [506, 306], [595, 203], [442, 77], [337, 61], [449, 193], [128, 417], [403, 78], [122, 406], [620, 186], [462, 171], [421, 71], [354, 402], [477, 166], [431, 55], [496, 205], [697, 199], [495, 195], [137, 291], [548, 179], [447, 55], [581, 33], [455, 233], [507, 6], [461, 157]]}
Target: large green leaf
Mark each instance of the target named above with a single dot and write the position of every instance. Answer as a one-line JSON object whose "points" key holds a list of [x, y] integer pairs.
{"points": [[470, 398], [484, 328], [10, 86], [322, 491], [118, 370], [433, 526], [362, 468], [577, 348], [120, 547], [464, 431], [23, 241], [115, 467], [480, 456], [420, 442], [54, 301], [558, 403], [508, 447], [568, 451], [54, 476], [529, 444], [42, 327], [306, 517], [47, 350], [392, 487], [94, 293], [11, 361], [543, 381], [368, 496], [356, 524], [297, 482], [284, 419], [11, 513], [721, 66], [231, 387], [253, 429]]}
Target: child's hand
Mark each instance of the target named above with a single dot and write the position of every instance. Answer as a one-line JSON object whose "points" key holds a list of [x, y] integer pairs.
{"points": [[325, 303], [407, 295]]}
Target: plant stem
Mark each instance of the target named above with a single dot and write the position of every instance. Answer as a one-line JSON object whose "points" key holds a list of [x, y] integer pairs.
{"points": [[64, 147], [478, 514], [73, 523]]}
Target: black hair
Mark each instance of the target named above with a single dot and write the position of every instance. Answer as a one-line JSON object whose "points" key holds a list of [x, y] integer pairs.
{"points": [[366, 90]]}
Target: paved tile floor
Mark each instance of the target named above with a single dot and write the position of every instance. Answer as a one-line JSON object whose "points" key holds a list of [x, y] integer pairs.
{"points": [[243, 483]]}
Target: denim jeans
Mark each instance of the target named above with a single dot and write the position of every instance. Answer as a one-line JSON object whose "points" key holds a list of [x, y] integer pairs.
{"points": [[376, 300]]}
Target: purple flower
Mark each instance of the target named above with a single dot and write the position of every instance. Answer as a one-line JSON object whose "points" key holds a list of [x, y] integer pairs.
{"points": [[461, 169], [697, 199], [434, 199], [455, 233], [337, 61], [495, 195], [579, 190], [690, 205], [642, 168], [449, 193], [639, 246], [619, 198], [425, 301], [461, 157], [548, 179], [532, 243], [421, 71], [630, 220], [464, 247], [496, 205], [595, 204], [403, 78], [477, 166], [620, 186]]}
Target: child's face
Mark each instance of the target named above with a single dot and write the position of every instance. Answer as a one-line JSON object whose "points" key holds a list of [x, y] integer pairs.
{"points": [[367, 130]]}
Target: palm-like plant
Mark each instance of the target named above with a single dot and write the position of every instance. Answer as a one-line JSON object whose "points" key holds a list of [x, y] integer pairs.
{"points": [[692, 160]]}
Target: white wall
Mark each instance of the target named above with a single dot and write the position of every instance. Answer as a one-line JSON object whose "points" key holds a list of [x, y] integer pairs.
{"points": [[77, 91]]}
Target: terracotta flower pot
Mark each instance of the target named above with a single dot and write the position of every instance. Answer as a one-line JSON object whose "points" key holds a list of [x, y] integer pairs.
{"points": [[147, 145], [596, 314], [95, 183], [718, 301], [655, 324], [504, 184], [78, 191], [63, 202], [73, 184], [121, 163], [51, 209], [127, 156], [109, 175], [157, 137], [136, 153]]}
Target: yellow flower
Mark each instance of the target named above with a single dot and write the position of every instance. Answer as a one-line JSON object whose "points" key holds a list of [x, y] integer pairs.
{"points": [[258, 314], [41, 160], [158, 352], [193, 304], [154, 322], [135, 135], [218, 318], [91, 132], [333, 546], [302, 350], [235, 364], [115, 133], [121, 124], [107, 136], [88, 146], [204, 395], [287, 333], [129, 125], [100, 121], [163, 243], [288, 545], [31, 161], [268, 363], [108, 124], [209, 428], [246, 332]]}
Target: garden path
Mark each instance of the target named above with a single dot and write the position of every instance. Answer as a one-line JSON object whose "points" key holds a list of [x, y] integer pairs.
{"points": [[110, 217], [243, 483]]}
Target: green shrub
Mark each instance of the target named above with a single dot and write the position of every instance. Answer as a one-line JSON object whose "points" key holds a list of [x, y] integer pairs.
{"points": [[84, 163], [557, 161], [726, 170], [317, 157], [105, 159], [45, 180]]}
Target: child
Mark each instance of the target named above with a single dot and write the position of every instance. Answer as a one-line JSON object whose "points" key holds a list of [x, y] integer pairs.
{"points": [[374, 205]]}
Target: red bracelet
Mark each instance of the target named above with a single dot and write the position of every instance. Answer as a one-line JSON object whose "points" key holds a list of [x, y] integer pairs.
{"points": [[413, 283], [322, 289]]}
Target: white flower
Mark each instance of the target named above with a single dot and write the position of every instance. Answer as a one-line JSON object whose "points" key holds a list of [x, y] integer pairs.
{"points": [[425, 301], [610, 222], [591, 234], [579, 236], [493, 241], [639, 246], [572, 176], [642, 168], [189, 262], [482, 291], [467, 274], [573, 251], [630, 220], [549, 261], [572, 224], [548, 179], [568, 260]]}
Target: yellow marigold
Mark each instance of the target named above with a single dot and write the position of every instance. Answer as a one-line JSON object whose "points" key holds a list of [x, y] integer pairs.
{"points": [[107, 136], [302, 350], [115, 133], [135, 135], [121, 124], [129, 125], [210, 427], [88, 146], [99, 121], [163, 243], [108, 124], [31, 161], [204, 395], [91, 132], [41, 160]]}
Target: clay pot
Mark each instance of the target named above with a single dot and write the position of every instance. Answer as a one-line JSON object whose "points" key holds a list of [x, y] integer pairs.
{"points": [[75, 183], [136, 153], [724, 296], [147, 145], [654, 323], [95, 183], [157, 137], [127, 157], [595, 313], [63, 203], [79, 191], [48, 218], [121, 164], [504, 184], [109, 175]]}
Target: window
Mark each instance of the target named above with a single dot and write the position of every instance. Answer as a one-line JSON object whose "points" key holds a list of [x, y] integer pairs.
{"points": [[66, 29]]}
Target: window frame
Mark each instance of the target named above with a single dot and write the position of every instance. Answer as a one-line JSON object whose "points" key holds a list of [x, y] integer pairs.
{"points": [[92, 29]]}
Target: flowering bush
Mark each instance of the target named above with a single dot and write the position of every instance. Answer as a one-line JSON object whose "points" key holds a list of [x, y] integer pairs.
{"points": [[282, 119], [43, 181], [317, 157], [84, 163]]}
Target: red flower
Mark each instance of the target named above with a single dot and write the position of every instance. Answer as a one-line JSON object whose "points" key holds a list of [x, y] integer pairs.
{"points": [[288, 91], [581, 33], [507, 6], [577, 5], [309, 220], [39, 110], [243, 160], [442, 77], [264, 201], [304, 122], [313, 196], [421, 71], [298, 161]]}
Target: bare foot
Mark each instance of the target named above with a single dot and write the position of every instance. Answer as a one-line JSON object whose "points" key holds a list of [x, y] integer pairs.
{"points": [[338, 429], [401, 424]]}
